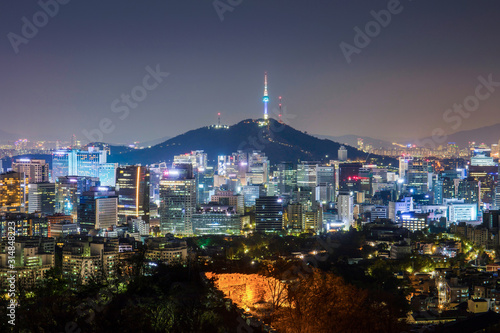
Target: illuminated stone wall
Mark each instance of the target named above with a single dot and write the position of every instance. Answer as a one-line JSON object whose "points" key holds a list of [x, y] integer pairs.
{"points": [[244, 289]]}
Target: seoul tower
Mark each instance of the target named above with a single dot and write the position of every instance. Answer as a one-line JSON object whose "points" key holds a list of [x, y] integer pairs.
{"points": [[266, 97]]}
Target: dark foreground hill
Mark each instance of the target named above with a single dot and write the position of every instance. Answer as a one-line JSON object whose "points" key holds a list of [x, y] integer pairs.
{"points": [[278, 141]]}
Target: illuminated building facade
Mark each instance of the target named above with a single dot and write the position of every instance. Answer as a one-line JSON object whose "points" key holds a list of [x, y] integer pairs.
{"points": [[13, 191], [177, 200], [132, 188], [37, 171], [98, 209], [268, 214], [42, 198]]}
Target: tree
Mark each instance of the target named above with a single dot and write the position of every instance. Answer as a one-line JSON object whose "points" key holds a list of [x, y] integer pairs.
{"points": [[323, 302]]}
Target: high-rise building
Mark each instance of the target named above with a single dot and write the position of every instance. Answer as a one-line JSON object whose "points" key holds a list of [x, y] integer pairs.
{"points": [[487, 175], [257, 169], [469, 190], [268, 214], [98, 209], [87, 163], [250, 194], [342, 154], [37, 171], [345, 207], [417, 176], [287, 178], [42, 198], [205, 181], [216, 219], [14, 192], [68, 191], [197, 158], [349, 176], [306, 175], [403, 165], [132, 188], [177, 200], [294, 217]]}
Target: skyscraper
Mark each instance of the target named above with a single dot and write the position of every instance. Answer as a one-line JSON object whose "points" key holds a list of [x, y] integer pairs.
{"points": [[177, 200], [342, 153], [41, 198], [345, 207], [68, 192], [87, 163], [37, 171], [98, 209], [132, 188], [268, 214], [13, 191]]}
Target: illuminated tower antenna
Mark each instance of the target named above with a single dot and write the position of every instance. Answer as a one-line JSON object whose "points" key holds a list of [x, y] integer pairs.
{"points": [[218, 123], [266, 97], [280, 111]]}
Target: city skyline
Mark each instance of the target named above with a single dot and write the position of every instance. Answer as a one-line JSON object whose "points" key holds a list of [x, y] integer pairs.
{"points": [[65, 79]]}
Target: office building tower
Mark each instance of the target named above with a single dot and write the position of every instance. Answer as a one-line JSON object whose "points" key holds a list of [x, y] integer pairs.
{"points": [[306, 175], [417, 176], [287, 178], [228, 198], [349, 176], [197, 158], [250, 194], [268, 214], [294, 217], [97, 209], [461, 212], [342, 154], [68, 191], [42, 198], [403, 165], [132, 189], [13, 192], [469, 190], [139, 226], [313, 221], [37, 171], [487, 176], [496, 204], [205, 181], [177, 200], [216, 219], [86, 163], [345, 207]]}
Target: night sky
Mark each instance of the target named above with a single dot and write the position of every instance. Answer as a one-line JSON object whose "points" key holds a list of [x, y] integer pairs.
{"points": [[66, 77]]}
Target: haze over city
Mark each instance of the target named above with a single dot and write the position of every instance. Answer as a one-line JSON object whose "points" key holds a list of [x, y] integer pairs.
{"points": [[64, 80], [281, 166]]}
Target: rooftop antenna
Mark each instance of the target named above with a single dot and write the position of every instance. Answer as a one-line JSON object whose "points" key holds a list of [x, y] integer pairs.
{"points": [[218, 123]]}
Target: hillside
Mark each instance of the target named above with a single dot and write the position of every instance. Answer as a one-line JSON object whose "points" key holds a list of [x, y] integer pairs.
{"points": [[280, 142]]}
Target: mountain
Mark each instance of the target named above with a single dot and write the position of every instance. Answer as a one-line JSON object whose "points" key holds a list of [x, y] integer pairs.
{"points": [[487, 134], [279, 142], [151, 143], [352, 140]]}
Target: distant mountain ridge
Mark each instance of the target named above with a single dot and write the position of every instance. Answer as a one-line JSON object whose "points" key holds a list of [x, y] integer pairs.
{"points": [[278, 141], [352, 140], [486, 134]]}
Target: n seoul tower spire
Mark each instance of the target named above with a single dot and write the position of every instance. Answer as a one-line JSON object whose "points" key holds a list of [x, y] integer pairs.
{"points": [[266, 97]]}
